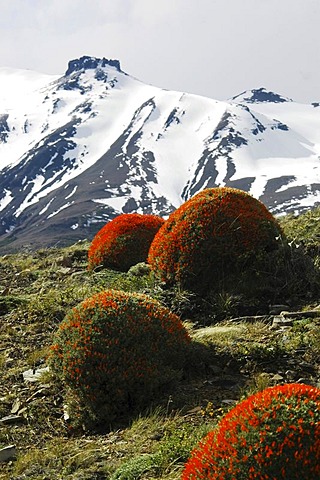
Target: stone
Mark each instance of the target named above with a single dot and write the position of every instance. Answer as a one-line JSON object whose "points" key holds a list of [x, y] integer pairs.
{"points": [[229, 401], [11, 419], [16, 406], [277, 378], [8, 453], [22, 411], [34, 375], [279, 322], [63, 270], [156, 436], [194, 410]]}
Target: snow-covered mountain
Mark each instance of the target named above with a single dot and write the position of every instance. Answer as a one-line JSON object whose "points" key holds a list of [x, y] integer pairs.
{"points": [[78, 149]]}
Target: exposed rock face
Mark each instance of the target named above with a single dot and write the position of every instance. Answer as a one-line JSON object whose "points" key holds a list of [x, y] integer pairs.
{"points": [[77, 150], [86, 63], [261, 95]]}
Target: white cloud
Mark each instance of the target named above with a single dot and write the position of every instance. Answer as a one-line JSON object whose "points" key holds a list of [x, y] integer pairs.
{"points": [[215, 48], [150, 13]]}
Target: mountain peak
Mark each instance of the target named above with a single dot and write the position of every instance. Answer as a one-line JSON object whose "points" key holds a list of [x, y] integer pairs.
{"points": [[260, 95], [88, 63], [79, 149]]}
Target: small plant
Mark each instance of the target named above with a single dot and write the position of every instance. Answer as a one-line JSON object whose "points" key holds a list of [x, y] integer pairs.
{"points": [[134, 468], [304, 229], [124, 241], [168, 455], [116, 351], [224, 305], [273, 434], [175, 447], [219, 240]]}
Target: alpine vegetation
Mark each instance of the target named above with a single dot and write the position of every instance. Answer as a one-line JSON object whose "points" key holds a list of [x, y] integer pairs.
{"points": [[124, 241], [116, 351], [222, 239], [273, 434]]}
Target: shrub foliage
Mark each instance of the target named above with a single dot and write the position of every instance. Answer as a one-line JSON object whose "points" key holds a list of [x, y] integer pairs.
{"points": [[124, 241], [116, 350], [274, 434], [214, 239]]}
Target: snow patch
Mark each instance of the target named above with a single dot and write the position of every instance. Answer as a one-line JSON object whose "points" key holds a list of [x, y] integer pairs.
{"points": [[117, 203], [31, 198], [6, 199], [72, 193], [47, 206]]}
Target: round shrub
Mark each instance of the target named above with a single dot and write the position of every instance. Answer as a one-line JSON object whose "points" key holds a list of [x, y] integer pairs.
{"points": [[274, 435], [124, 241], [213, 240], [115, 351]]}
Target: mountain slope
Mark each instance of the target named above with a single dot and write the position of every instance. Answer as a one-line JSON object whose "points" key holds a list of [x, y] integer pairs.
{"points": [[79, 149]]}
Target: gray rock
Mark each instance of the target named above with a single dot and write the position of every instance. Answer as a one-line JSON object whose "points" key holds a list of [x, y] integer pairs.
{"points": [[11, 419], [280, 322], [16, 406], [277, 378], [63, 270], [229, 401], [8, 453], [34, 375]]}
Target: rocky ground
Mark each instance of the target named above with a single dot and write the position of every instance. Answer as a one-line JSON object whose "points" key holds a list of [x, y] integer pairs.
{"points": [[231, 359]]}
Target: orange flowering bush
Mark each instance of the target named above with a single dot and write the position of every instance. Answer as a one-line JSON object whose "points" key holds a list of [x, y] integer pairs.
{"points": [[272, 435], [124, 241], [214, 239], [116, 350]]}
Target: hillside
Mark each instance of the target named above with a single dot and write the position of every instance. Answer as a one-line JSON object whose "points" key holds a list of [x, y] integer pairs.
{"points": [[78, 149], [230, 358]]}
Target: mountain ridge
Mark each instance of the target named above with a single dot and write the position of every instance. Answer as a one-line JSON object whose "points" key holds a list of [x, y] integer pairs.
{"points": [[95, 142]]}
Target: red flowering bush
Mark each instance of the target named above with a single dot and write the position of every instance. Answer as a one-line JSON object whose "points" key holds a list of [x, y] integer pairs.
{"points": [[214, 239], [272, 435], [124, 241], [116, 350]]}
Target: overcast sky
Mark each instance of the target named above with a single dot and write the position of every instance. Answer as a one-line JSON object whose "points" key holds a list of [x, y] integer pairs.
{"points": [[216, 48]]}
